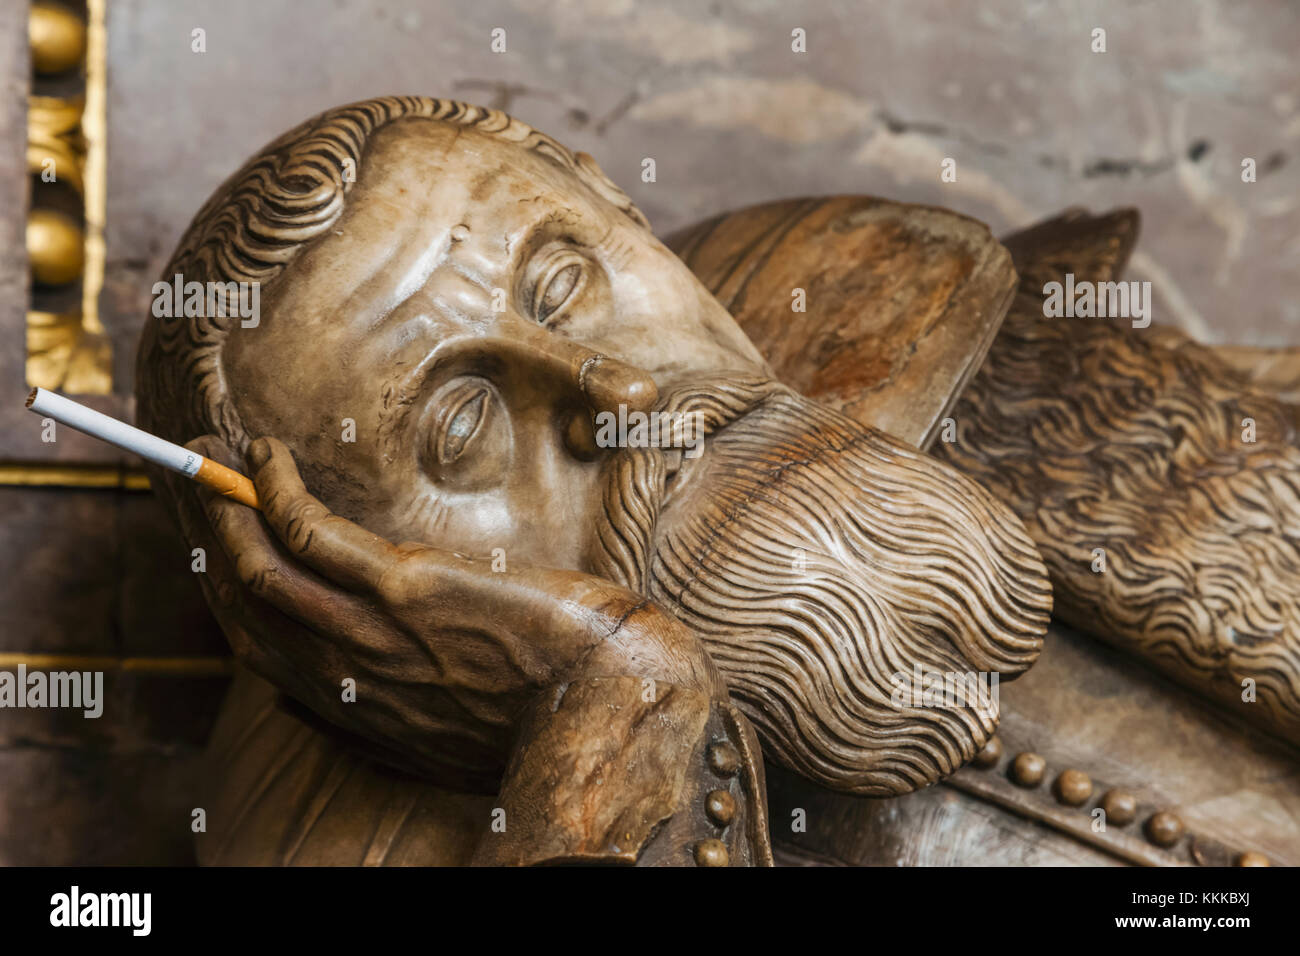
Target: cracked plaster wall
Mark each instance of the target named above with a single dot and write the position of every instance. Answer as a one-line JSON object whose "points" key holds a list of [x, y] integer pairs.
{"points": [[713, 92]]}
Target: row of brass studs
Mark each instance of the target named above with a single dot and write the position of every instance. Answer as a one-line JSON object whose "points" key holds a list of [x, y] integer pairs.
{"points": [[720, 805], [1074, 788]]}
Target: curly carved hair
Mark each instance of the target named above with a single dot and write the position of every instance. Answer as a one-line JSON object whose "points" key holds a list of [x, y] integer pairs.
{"points": [[1133, 444], [291, 192]]}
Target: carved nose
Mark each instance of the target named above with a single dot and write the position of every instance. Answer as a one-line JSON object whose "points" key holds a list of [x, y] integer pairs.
{"points": [[607, 383]]}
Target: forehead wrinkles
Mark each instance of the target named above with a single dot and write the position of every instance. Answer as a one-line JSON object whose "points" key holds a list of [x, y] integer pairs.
{"points": [[617, 248], [420, 249], [527, 203]]}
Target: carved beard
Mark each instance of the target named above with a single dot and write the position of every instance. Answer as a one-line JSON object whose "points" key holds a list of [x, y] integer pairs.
{"points": [[827, 566]]}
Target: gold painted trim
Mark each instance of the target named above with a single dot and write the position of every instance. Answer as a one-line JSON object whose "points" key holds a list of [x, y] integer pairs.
{"points": [[73, 354], [33, 475], [164, 666], [52, 134], [94, 126]]}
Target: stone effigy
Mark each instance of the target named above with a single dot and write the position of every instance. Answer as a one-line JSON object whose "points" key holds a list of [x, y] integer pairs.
{"points": [[478, 628]]}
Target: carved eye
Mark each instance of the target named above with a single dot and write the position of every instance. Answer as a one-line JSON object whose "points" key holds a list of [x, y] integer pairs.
{"points": [[460, 422], [467, 441], [557, 289]]}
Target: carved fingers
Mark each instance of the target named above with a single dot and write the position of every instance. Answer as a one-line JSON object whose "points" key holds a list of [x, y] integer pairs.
{"points": [[409, 618], [265, 565], [342, 551]]}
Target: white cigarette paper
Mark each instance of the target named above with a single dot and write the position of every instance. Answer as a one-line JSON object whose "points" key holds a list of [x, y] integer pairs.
{"points": [[214, 475], [98, 425]]}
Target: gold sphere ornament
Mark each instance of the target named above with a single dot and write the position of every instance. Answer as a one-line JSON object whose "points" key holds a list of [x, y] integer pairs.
{"points": [[54, 247], [57, 37]]}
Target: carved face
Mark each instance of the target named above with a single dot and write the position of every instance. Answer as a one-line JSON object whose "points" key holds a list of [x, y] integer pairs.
{"points": [[435, 362], [448, 315]]}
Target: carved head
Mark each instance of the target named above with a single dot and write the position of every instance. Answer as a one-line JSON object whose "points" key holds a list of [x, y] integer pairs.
{"points": [[456, 310]]}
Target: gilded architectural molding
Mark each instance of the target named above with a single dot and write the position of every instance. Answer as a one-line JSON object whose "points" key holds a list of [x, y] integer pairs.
{"points": [[66, 139]]}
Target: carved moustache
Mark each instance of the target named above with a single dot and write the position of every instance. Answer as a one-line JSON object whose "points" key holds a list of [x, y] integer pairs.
{"points": [[826, 566]]}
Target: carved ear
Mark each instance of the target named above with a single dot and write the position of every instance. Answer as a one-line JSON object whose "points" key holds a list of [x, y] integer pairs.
{"points": [[902, 301]]}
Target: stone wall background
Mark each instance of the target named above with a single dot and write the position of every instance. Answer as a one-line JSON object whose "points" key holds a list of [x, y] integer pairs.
{"points": [[712, 91]]}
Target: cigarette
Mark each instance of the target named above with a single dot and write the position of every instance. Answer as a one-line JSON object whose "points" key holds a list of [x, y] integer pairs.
{"points": [[222, 480]]}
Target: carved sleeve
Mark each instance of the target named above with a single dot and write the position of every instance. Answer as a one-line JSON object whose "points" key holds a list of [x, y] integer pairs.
{"points": [[624, 770]]}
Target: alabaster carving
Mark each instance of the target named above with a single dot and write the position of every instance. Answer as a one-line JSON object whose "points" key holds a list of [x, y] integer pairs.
{"points": [[1169, 461], [1164, 455], [602, 644]]}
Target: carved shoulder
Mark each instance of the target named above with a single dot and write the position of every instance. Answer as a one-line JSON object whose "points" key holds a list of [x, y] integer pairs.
{"points": [[899, 302]]}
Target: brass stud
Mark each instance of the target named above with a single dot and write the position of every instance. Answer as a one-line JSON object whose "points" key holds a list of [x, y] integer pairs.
{"points": [[1073, 787], [1027, 769], [989, 754], [724, 758], [1120, 807], [711, 853], [1164, 829], [54, 247], [720, 806], [1251, 858]]}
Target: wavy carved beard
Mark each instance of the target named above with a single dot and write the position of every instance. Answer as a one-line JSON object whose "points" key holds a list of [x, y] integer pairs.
{"points": [[823, 563]]}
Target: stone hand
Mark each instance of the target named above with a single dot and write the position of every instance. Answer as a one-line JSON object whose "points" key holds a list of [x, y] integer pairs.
{"points": [[444, 652]]}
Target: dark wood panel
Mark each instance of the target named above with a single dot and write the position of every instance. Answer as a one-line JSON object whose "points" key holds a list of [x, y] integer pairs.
{"points": [[59, 571], [139, 713], [162, 611], [78, 807], [97, 572]]}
